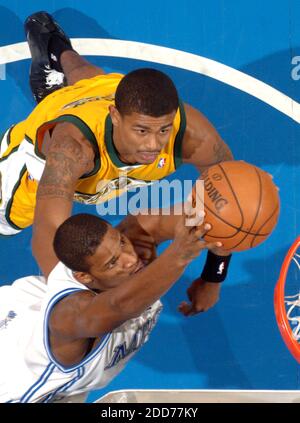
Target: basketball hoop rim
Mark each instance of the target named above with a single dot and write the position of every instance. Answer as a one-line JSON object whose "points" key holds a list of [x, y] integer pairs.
{"points": [[279, 307]]}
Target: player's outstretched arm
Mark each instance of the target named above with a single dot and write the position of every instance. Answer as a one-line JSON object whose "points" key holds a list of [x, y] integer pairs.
{"points": [[150, 228], [146, 231], [202, 145], [86, 315], [68, 157]]}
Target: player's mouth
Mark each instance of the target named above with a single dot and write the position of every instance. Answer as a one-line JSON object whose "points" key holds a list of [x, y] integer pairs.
{"points": [[147, 156]]}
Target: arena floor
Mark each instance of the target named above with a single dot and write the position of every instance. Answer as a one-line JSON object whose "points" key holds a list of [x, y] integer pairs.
{"points": [[236, 345]]}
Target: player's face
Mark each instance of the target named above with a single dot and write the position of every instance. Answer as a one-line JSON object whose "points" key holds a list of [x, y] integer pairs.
{"points": [[114, 260], [140, 138]]}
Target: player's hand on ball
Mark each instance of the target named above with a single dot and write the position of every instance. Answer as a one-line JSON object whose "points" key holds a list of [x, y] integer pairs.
{"points": [[189, 232], [202, 295]]}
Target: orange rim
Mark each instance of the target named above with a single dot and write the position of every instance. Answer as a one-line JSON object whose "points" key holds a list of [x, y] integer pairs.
{"points": [[280, 311]]}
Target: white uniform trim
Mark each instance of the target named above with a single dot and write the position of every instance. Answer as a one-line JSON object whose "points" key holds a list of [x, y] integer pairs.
{"points": [[40, 382], [62, 389], [12, 168], [89, 357]]}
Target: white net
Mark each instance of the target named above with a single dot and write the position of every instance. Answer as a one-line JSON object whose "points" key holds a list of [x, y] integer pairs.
{"points": [[292, 302]]}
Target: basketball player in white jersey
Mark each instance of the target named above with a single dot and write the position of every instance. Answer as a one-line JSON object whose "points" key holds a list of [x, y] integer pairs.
{"points": [[75, 333]]}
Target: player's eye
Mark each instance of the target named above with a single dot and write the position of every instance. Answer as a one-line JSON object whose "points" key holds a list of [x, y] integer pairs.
{"points": [[110, 266], [112, 263]]}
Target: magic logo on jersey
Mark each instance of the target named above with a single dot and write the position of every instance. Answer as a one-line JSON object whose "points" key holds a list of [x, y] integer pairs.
{"points": [[10, 316], [139, 338]]}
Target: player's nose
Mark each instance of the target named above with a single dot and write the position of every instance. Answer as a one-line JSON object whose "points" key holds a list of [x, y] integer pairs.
{"points": [[130, 260], [153, 144]]}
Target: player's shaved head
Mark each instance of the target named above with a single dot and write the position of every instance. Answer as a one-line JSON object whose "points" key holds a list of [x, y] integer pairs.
{"points": [[78, 238], [148, 92]]}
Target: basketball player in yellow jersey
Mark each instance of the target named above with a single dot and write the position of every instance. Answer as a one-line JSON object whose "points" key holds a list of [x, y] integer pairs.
{"points": [[91, 132]]}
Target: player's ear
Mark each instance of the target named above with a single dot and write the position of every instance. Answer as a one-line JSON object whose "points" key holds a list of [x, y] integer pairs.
{"points": [[83, 277], [115, 115]]}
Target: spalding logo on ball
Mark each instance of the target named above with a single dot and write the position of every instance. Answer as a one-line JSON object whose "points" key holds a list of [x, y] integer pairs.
{"points": [[241, 202]]}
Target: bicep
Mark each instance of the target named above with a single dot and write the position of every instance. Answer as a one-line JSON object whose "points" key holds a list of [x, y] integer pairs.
{"points": [[150, 228], [68, 157], [85, 315], [202, 144], [162, 226]]}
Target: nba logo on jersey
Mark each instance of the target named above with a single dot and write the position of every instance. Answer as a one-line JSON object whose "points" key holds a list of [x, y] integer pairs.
{"points": [[162, 162]]}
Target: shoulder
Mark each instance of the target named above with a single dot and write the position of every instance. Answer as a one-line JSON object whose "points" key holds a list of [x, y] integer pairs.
{"points": [[71, 133], [202, 144], [198, 128], [68, 341], [64, 319], [67, 145]]}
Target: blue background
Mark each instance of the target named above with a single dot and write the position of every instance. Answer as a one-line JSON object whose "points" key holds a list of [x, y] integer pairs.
{"points": [[235, 345]]}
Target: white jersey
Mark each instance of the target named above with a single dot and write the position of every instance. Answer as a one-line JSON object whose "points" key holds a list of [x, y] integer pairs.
{"points": [[28, 370]]}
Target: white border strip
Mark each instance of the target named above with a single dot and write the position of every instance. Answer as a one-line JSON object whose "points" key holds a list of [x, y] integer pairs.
{"points": [[171, 57], [200, 396]]}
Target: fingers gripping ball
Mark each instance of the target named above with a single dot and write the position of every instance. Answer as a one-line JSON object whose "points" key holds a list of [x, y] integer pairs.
{"points": [[241, 202]]}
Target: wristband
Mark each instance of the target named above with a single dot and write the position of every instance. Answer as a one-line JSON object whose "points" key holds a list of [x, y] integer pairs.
{"points": [[215, 268]]}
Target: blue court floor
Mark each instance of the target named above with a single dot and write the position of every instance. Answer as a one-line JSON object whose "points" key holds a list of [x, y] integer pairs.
{"points": [[235, 345]]}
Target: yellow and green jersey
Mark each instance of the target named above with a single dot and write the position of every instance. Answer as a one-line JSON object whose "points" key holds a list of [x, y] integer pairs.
{"points": [[85, 105]]}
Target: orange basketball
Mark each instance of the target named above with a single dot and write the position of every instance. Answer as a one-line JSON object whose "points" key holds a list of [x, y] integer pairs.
{"points": [[241, 203]]}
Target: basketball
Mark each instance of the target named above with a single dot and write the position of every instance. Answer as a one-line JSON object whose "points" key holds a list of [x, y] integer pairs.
{"points": [[241, 202]]}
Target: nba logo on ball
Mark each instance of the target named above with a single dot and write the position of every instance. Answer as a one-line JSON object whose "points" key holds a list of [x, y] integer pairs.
{"points": [[161, 162]]}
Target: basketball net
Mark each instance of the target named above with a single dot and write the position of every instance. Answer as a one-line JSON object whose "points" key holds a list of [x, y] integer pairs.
{"points": [[287, 300]]}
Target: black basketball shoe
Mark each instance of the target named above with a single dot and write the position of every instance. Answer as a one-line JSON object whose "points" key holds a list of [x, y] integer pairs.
{"points": [[46, 73]]}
